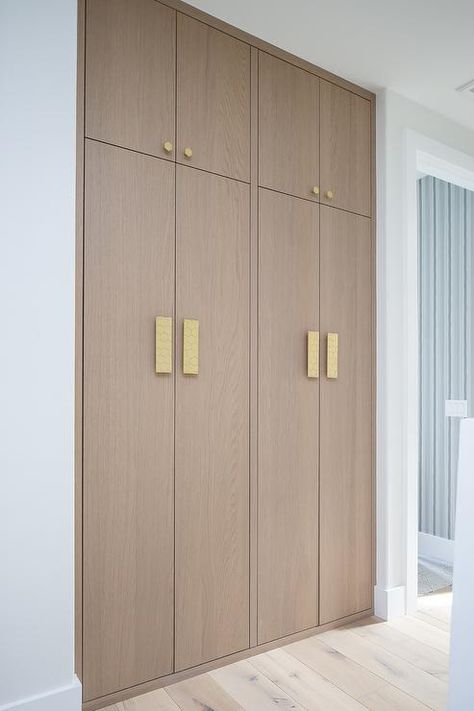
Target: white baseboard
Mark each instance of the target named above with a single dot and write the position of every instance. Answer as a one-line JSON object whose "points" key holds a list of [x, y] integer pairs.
{"points": [[66, 698], [435, 547], [389, 602]]}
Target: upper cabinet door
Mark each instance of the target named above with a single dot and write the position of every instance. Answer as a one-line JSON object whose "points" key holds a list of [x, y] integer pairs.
{"points": [[213, 122], [345, 150], [131, 75], [288, 128]]}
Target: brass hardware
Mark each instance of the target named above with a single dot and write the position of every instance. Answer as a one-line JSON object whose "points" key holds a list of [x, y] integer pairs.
{"points": [[313, 354], [315, 190], [190, 346], [168, 146], [329, 194], [188, 152], [332, 355], [163, 344]]}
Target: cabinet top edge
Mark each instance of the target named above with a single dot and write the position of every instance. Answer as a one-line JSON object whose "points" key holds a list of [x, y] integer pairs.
{"points": [[262, 45]]}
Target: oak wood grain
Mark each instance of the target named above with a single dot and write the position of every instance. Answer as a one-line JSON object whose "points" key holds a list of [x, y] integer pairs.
{"points": [[213, 99], [288, 416], [212, 419], [252, 689], [399, 673], [157, 700], [306, 686], [272, 49], [389, 698], [345, 145], [354, 680], [128, 420], [254, 350], [131, 74], [346, 424], [202, 692], [288, 128], [206, 667], [411, 649], [316, 670]]}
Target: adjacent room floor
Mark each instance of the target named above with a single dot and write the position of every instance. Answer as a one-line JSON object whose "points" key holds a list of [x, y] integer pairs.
{"points": [[383, 666]]}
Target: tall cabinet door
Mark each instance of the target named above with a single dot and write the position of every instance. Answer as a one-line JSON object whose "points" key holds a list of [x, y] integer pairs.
{"points": [[288, 416], [288, 115], [346, 416], [213, 122], [131, 74], [128, 420], [212, 418], [345, 146]]}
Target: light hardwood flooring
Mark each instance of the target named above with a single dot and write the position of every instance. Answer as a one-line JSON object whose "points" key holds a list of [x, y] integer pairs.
{"points": [[382, 666]]}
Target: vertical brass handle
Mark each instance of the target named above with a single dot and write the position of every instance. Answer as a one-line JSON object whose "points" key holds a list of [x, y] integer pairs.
{"points": [[313, 354], [332, 355], [163, 344], [190, 346]]}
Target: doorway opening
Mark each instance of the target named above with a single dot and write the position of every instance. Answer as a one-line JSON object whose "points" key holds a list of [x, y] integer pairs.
{"points": [[438, 308], [446, 386]]}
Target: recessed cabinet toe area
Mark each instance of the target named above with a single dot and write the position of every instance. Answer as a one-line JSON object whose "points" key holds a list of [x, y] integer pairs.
{"points": [[225, 361]]}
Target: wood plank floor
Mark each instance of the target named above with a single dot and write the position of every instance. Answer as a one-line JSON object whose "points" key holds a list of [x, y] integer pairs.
{"points": [[382, 666]]}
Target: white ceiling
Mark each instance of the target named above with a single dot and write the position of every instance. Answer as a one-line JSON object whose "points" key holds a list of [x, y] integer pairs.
{"points": [[423, 49]]}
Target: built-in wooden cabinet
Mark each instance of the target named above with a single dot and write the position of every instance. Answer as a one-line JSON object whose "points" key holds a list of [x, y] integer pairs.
{"points": [[213, 100], [346, 410], [288, 120], [288, 416], [212, 419], [130, 75], [225, 461], [345, 149], [128, 421]]}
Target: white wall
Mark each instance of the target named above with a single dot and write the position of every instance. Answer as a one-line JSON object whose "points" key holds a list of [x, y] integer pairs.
{"points": [[37, 176], [461, 687], [396, 117]]}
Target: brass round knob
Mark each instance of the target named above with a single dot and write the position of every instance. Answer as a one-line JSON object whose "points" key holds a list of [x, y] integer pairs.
{"points": [[168, 146], [329, 194], [188, 152], [315, 190]]}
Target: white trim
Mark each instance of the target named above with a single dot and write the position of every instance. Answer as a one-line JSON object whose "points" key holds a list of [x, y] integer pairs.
{"points": [[389, 602], [424, 155], [65, 698], [435, 547]]}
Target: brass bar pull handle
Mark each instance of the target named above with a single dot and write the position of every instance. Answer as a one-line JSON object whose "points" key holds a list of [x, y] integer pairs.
{"points": [[332, 355], [313, 354], [163, 344], [190, 346]]}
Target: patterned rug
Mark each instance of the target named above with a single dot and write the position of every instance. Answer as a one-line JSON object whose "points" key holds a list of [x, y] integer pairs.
{"points": [[433, 575]]}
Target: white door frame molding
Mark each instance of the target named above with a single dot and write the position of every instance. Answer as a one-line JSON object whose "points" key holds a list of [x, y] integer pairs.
{"points": [[422, 155]]}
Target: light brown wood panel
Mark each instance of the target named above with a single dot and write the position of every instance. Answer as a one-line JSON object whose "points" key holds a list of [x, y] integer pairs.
{"points": [[312, 671], [131, 74], [128, 420], [212, 419], [288, 128], [204, 693], [213, 99], [346, 423], [345, 144], [288, 416]]}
